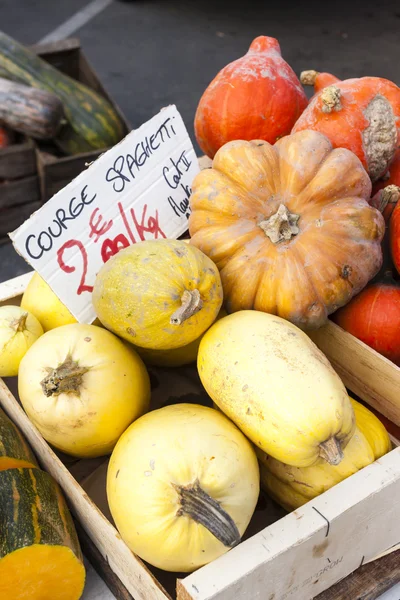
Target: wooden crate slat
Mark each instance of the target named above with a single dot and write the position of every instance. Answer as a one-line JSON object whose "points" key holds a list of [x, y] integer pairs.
{"points": [[363, 512], [18, 160], [371, 376]]}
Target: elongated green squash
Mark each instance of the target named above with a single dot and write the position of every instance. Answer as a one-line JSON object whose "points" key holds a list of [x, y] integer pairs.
{"points": [[93, 123], [40, 556], [14, 451]]}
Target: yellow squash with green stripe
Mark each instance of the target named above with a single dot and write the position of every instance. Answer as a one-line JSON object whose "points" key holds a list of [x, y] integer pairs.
{"points": [[40, 556]]}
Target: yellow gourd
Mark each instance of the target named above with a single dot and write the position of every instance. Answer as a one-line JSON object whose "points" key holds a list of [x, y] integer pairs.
{"points": [[182, 485], [19, 329], [82, 387], [292, 487], [158, 294], [175, 357], [42, 302], [271, 380]]}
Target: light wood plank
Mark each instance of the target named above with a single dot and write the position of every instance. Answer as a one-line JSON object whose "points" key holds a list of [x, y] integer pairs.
{"points": [[298, 556], [14, 288], [371, 376]]}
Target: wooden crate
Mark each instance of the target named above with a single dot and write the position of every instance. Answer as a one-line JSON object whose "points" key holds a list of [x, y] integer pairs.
{"points": [[283, 557], [56, 172]]}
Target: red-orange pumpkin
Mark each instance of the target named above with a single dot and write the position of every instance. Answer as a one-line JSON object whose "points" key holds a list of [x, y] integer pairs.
{"points": [[374, 318], [393, 175], [394, 236], [257, 96], [4, 138], [362, 115]]}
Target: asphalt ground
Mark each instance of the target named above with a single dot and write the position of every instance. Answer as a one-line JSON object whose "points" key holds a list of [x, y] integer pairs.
{"points": [[151, 53]]}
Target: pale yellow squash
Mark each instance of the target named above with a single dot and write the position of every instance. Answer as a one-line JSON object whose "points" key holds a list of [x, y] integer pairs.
{"points": [[82, 387], [175, 357], [268, 377], [292, 486], [42, 302], [158, 294], [19, 329], [182, 485]]}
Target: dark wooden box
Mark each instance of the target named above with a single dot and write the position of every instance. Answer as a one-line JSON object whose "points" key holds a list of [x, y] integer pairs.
{"points": [[56, 172], [33, 172], [19, 185]]}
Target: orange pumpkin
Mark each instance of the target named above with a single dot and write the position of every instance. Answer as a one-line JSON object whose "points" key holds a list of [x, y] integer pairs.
{"points": [[362, 115], [393, 176], [394, 236], [289, 226], [318, 80], [257, 96]]}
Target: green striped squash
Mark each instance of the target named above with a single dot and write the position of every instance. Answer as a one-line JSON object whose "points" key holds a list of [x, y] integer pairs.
{"points": [[40, 556], [14, 451], [93, 123]]}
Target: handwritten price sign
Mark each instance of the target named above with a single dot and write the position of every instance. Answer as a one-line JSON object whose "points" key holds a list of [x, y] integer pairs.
{"points": [[138, 190]]}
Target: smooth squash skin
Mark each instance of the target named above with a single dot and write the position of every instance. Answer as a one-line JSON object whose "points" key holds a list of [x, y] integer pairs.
{"points": [[41, 301], [175, 357], [158, 294], [271, 380], [14, 451], [292, 487], [82, 387], [182, 485], [40, 556], [19, 329]]}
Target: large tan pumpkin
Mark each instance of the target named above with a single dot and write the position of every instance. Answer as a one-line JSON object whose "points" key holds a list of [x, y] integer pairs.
{"points": [[289, 226]]}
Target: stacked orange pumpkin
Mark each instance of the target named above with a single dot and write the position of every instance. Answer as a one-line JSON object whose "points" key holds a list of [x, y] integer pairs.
{"points": [[296, 228]]}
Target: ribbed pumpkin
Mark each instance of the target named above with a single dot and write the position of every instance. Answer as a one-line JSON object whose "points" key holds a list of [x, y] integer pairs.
{"points": [[40, 555], [362, 115], [158, 294], [385, 200], [292, 487], [289, 226], [14, 451], [257, 96]]}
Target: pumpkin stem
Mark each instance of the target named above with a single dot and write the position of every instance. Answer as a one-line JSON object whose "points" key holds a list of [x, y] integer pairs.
{"points": [[331, 451], [388, 195], [280, 226], [20, 324], [308, 77], [330, 97], [199, 506], [67, 378], [191, 304]]}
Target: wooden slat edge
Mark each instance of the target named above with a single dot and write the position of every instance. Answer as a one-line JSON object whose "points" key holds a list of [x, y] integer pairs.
{"points": [[368, 582], [14, 287], [129, 568], [371, 376]]}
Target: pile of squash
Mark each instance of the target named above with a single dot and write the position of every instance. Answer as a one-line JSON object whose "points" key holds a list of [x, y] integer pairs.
{"points": [[38, 100], [284, 233]]}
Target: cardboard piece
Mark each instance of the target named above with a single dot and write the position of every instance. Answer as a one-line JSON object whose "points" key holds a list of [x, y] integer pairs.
{"points": [[138, 190]]}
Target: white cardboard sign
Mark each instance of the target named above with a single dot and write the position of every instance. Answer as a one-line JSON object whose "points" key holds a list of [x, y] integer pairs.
{"points": [[138, 190]]}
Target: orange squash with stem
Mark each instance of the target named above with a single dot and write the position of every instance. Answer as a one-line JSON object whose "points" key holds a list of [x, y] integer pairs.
{"points": [[289, 226], [362, 115]]}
